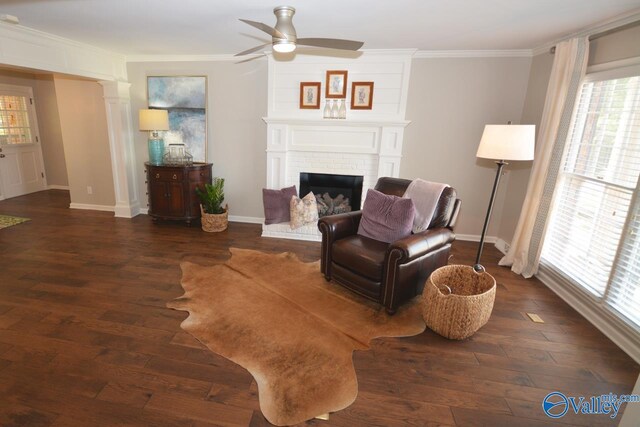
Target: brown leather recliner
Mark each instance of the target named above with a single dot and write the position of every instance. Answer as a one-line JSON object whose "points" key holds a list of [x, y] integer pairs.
{"points": [[388, 273]]}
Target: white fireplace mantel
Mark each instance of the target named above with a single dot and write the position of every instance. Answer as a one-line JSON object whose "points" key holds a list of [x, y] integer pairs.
{"points": [[331, 146], [367, 143]]}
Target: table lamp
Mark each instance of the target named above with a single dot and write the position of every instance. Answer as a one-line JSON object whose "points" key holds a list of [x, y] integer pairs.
{"points": [[503, 142], [154, 121]]}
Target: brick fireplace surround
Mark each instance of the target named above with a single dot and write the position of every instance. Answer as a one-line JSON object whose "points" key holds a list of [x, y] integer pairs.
{"points": [[370, 149]]}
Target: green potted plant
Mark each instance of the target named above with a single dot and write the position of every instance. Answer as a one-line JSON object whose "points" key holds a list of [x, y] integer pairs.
{"points": [[214, 216]]}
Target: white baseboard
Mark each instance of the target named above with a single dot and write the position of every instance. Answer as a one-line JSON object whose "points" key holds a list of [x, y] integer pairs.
{"points": [[246, 219], [232, 218], [502, 246], [614, 328], [475, 238], [57, 187], [91, 207]]}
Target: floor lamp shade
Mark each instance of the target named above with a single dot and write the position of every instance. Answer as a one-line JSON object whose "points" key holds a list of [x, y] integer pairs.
{"points": [[503, 142], [507, 142], [154, 121]]}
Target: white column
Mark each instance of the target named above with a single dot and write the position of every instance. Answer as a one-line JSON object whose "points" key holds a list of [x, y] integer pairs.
{"points": [[123, 162]]}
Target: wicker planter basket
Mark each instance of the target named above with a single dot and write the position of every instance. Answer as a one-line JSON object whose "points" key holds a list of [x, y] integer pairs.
{"points": [[212, 223], [458, 301]]}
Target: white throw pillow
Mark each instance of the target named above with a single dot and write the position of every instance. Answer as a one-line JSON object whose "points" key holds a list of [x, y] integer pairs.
{"points": [[303, 211]]}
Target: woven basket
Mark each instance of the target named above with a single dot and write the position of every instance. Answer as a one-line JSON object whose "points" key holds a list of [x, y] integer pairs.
{"points": [[458, 301], [214, 222]]}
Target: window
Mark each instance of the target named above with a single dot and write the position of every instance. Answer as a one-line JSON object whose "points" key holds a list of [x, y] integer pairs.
{"points": [[592, 239], [14, 120]]}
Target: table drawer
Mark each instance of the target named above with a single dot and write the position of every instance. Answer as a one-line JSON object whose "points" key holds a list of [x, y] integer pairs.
{"points": [[199, 175], [166, 175]]}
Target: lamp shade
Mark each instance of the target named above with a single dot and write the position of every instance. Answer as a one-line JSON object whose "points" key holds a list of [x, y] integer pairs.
{"points": [[154, 120], [507, 142]]}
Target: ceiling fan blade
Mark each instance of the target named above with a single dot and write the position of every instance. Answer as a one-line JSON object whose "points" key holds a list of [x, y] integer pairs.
{"points": [[331, 43], [253, 49], [264, 27]]}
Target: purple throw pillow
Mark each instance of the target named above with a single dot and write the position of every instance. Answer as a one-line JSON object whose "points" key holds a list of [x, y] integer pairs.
{"points": [[386, 218], [276, 204]]}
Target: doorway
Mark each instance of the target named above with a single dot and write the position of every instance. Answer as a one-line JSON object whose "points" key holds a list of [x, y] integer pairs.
{"points": [[21, 163]]}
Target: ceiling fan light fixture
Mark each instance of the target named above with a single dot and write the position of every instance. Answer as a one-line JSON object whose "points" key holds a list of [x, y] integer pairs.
{"points": [[284, 47], [284, 38]]}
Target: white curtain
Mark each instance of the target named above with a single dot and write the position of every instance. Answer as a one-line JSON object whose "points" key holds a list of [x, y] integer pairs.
{"points": [[569, 67]]}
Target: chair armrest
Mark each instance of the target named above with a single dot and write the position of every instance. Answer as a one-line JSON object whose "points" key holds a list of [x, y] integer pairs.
{"points": [[419, 244], [336, 227]]}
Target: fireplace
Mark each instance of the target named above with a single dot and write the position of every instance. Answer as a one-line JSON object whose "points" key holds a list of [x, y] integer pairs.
{"points": [[334, 193]]}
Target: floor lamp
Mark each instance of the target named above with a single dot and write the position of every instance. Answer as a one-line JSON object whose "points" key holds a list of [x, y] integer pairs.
{"points": [[503, 142]]}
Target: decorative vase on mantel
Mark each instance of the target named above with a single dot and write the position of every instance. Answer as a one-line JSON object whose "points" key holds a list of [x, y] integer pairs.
{"points": [[326, 114], [342, 111]]}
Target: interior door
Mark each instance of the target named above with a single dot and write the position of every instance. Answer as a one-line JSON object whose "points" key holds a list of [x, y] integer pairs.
{"points": [[21, 165]]}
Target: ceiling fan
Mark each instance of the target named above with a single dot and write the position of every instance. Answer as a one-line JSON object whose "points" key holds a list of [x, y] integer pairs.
{"points": [[284, 38]]}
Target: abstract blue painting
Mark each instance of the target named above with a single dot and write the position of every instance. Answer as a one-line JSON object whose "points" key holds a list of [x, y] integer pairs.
{"points": [[185, 100]]}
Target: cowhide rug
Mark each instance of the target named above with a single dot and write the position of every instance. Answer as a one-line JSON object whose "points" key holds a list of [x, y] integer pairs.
{"points": [[293, 331]]}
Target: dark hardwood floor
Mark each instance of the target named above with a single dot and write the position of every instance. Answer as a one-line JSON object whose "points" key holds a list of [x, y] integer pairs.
{"points": [[86, 340]]}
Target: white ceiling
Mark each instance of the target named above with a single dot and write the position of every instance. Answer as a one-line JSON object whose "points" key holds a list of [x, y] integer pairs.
{"points": [[208, 27]]}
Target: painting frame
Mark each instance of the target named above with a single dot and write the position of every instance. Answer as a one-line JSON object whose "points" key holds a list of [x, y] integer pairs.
{"points": [[310, 95], [336, 84], [185, 99], [362, 95]]}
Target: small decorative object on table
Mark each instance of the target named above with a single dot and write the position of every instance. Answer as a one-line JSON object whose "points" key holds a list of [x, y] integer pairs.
{"points": [[458, 300], [214, 216], [178, 155]]}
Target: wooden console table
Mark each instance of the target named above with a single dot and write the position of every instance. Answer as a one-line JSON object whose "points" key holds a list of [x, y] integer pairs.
{"points": [[171, 190]]}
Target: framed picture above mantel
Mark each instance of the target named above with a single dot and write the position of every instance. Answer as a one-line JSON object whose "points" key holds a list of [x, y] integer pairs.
{"points": [[310, 95], [336, 84], [362, 95], [185, 99]]}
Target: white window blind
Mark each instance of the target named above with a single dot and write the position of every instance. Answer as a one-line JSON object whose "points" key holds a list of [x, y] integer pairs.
{"points": [[624, 293], [590, 239]]}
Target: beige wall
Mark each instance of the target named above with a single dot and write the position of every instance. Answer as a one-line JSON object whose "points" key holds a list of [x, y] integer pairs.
{"points": [[83, 123], [50, 131], [516, 187], [48, 122], [615, 46], [236, 103], [450, 101]]}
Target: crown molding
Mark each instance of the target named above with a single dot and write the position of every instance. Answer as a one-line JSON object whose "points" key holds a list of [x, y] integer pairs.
{"points": [[189, 58], [231, 57], [27, 48], [20, 29], [610, 24], [504, 53]]}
